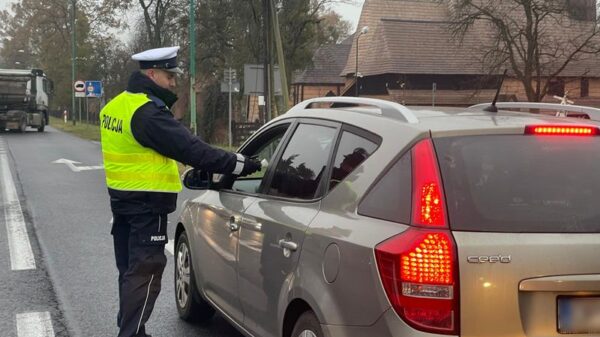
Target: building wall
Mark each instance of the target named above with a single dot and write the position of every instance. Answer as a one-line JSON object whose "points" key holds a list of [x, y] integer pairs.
{"points": [[572, 85], [595, 87], [302, 92], [254, 110]]}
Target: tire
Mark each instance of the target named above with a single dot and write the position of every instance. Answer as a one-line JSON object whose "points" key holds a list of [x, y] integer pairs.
{"points": [[307, 325], [43, 126], [22, 126], [190, 304]]}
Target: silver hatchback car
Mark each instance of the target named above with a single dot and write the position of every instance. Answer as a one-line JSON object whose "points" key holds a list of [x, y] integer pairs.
{"points": [[371, 219]]}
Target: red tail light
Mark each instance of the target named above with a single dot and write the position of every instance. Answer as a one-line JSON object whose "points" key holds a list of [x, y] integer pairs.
{"points": [[561, 130], [419, 268], [428, 194]]}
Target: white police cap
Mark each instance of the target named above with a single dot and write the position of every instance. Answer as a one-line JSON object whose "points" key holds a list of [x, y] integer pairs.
{"points": [[159, 58]]}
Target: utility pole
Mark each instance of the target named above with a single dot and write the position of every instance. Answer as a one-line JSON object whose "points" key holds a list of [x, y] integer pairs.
{"points": [[230, 77], [267, 61], [228, 85], [73, 57], [363, 31], [280, 58], [193, 67]]}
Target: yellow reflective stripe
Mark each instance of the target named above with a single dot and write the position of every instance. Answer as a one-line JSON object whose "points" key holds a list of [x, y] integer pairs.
{"points": [[143, 177], [129, 158]]}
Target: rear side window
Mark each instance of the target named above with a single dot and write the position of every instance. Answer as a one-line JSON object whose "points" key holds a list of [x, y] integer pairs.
{"points": [[351, 152], [390, 197], [301, 168], [517, 183]]}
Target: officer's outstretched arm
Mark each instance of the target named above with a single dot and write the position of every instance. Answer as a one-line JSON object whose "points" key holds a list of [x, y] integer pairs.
{"points": [[158, 130]]}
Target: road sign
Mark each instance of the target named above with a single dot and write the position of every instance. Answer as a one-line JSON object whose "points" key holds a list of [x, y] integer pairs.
{"points": [[79, 87], [229, 73], [235, 87], [93, 89], [253, 80]]}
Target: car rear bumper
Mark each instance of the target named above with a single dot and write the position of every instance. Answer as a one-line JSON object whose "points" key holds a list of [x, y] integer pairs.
{"points": [[388, 325]]}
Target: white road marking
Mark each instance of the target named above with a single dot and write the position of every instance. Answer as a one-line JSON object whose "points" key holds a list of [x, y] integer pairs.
{"points": [[21, 255], [34, 324], [71, 164], [169, 247]]}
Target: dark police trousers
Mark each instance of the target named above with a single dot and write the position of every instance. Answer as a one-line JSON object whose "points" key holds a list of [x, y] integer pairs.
{"points": [[139, 242]]}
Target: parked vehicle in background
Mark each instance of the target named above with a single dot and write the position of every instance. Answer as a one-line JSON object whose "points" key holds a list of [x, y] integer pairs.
{"points": [[379, 220], [24, 99]]}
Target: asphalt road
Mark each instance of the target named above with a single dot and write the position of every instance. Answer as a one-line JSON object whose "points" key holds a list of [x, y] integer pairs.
{"points": [[67, 216]]}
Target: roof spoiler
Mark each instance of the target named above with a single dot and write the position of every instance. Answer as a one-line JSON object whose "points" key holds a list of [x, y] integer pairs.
{"points": [[388, 109], [561, 109]]}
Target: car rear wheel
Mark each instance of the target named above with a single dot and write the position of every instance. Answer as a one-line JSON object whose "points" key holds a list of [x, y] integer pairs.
{"points": [[190, 304], [307, 326]]}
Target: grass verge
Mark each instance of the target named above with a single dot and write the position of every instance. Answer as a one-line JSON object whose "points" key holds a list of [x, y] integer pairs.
{"points": [[81, 130]]}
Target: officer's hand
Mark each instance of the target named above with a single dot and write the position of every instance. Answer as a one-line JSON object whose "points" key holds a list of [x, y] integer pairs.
{"points": [[250, 166]]}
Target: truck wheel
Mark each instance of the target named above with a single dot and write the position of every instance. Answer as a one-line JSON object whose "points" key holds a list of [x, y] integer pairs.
{"points": [[22, 126], [43, 126]]}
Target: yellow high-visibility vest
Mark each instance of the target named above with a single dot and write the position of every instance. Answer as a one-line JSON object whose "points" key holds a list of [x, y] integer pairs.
{"points": [[128, 165]]}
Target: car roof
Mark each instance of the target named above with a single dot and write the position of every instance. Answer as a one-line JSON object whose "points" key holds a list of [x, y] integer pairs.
{"points": [[440, 121]]}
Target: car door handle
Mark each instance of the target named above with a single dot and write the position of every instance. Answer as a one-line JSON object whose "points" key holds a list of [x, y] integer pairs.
{"points": [[288, 245], [233, 224]]}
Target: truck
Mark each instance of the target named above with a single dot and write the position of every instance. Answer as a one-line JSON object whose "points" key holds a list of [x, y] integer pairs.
{"points": [[25, 96]]}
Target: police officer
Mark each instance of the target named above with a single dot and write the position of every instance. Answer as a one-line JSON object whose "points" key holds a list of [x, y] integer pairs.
{"points": [[141, 142]]}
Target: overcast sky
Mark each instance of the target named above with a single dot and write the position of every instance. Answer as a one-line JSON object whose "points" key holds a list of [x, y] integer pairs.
{"points": [[349, 12]]}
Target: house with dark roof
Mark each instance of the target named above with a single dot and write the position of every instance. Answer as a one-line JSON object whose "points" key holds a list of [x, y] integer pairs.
{"points": [[322, 77], [410, 56]]}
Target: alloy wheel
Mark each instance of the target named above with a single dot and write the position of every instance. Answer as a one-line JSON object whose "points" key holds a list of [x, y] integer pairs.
{"points": [[183, 275], [307, 333]]}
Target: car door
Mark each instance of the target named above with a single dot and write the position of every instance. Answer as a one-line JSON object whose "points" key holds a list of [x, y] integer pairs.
{"points": [[219, 213], [215, 248], [272, 229]]}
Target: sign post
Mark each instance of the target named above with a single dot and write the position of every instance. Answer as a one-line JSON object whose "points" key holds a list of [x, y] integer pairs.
{"points": [[79, 87], [230, 84]]}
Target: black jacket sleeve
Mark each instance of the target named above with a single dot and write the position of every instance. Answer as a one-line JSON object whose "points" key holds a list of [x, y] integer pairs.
{"points": [[156, 128]]}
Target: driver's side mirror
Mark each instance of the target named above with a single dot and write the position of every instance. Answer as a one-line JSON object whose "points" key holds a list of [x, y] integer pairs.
{"points": [[195, 179]]}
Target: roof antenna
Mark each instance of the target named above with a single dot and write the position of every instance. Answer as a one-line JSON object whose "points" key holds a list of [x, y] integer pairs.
{"points": [[493, 108]]}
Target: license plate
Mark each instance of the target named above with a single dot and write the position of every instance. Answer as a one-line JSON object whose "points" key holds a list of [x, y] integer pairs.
{"points": [[579, 315], [12, 125]]}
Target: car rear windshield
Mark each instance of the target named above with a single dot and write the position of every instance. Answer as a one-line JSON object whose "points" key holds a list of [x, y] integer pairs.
{"points": [[521, 183]]}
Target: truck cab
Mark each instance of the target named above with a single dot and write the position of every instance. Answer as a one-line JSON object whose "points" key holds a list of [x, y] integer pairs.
{"points": [[25, 96]]}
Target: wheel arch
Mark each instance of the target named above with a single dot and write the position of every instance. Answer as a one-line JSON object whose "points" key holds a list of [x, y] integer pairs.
{"points": [[178, 230], [294, 310]]}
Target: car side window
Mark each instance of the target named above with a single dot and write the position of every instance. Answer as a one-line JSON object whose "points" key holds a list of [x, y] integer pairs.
{"points": [[351, 152], [264, 152], [390, 197], [303, 164]]}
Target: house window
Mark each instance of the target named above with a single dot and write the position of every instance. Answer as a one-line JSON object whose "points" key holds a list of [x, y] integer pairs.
{"points": [[582, 10], [556, 87], [585, 87]]}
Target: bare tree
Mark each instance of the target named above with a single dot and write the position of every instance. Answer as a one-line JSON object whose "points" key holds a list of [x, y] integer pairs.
{"points": [[161, 18], [535, 39], [155, 17]]}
